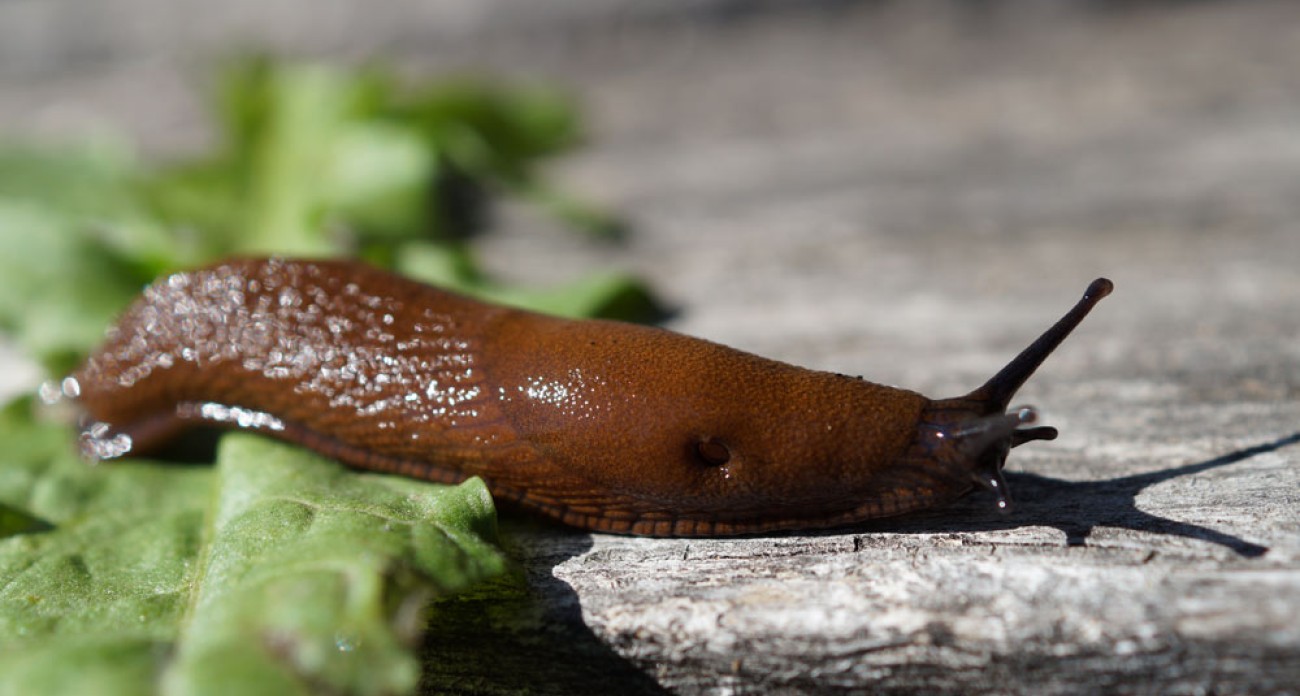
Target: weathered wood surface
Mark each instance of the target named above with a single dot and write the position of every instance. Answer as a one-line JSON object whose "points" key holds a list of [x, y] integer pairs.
{"points": [[912, 193]]}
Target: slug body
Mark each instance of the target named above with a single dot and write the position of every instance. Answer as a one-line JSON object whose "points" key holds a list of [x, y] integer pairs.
{"points": [[601, 425]]}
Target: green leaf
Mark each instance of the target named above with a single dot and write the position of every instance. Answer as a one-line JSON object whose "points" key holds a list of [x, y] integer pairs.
{"points": [[603, 296], [492, 130], [313, 577], [276, 572], [103, 664], [377, 180], [302, 112], [606, 296], [58, 285], [13, 521], [83, 179], [105, 589], [578, 214], [447, 265], [73, 248]]}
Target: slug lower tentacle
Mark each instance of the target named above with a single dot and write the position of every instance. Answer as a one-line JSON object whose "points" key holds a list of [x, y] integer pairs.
{"points": [[598, 424]]}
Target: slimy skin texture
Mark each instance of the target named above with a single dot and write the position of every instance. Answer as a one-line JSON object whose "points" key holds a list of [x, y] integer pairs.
{"points": [[601, 425]]}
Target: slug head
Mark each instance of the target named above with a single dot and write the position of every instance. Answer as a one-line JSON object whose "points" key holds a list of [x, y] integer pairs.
{"points": [[970, 436]]}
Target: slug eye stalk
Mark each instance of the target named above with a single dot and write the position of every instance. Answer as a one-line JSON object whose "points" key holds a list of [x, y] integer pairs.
{"points": [[998, 391]]}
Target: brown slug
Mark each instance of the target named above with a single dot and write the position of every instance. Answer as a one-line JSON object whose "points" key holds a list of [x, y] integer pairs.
{"points": [[598, 424]]}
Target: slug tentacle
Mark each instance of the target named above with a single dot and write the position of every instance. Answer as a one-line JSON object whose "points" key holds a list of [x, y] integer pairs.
{"points": [[971, 435], [998, 391], [972, 439]]}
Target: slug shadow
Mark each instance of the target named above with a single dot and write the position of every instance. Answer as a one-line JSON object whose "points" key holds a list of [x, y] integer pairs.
{"points": [[1078, 507], [525, 634]]}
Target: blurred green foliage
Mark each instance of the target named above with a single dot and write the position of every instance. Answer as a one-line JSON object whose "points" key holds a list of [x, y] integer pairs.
{"points": [[312, 161]]}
